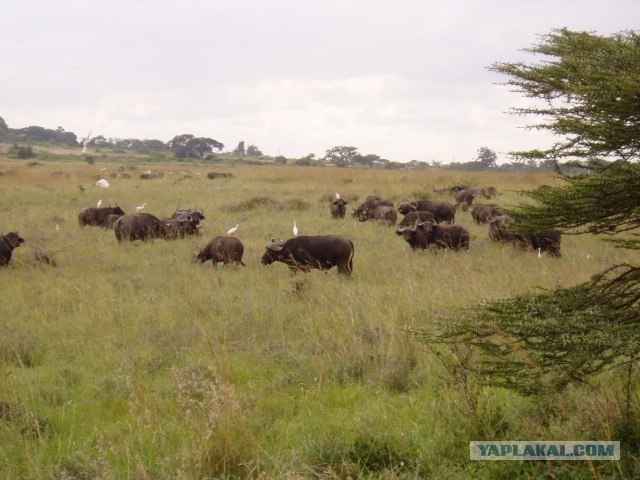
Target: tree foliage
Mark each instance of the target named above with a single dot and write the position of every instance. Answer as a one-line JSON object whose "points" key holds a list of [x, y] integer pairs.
{"points": [[341, 156], [588, 92], [487, 157], [239, 150], [189, 146], [542, 342]]}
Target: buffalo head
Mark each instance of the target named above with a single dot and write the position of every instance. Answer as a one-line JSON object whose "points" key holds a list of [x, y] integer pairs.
{"points": [[272, 253]]}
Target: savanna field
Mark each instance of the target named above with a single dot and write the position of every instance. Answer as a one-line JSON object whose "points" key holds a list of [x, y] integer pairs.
{"points": [[129, 361]]}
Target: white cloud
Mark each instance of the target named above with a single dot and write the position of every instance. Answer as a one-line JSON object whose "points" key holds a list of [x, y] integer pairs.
{"points": [[405, 80]]}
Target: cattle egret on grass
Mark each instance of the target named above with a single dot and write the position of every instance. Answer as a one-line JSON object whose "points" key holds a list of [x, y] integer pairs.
{"points": [[99, 203], [295, 229], [539, 253], [337, 196], [141, 207], [148, 172], [57, 227], [102, 183], [233, 229]]}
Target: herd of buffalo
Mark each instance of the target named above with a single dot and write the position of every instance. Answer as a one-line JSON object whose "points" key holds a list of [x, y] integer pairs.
{"points": [[425, 224]]}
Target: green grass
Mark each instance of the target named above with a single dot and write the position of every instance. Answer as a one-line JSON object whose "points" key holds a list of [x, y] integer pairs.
{"points": [[131, 361]]}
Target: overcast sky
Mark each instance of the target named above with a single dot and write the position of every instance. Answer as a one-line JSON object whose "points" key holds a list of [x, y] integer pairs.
{"points": [[404, 79]]}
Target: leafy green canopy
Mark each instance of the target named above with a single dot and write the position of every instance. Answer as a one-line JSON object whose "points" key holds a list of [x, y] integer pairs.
{"points": [[542, 342], [590, 88]]}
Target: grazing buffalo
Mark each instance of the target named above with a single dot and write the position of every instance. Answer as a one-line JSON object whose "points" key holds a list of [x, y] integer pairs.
{"points": [[214, 175], [536, 241], [7, 243], [410, 218], [304, 253], [338, 208], [425, 234], [222, 249], [442, 211], [481, 213], [142, 226], [97, 216]]}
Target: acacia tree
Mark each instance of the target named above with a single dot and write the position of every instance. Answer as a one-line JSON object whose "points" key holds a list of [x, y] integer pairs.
{"points": [[187, 145], [487, 157], [341, 156], [540, 343]]}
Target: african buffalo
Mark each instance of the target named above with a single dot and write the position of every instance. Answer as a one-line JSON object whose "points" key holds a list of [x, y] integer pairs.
{"points": [[425, 234], [140, 227], [410, 218], [481, 213], [464, 199], [442, 211], [7, 243], [465, 196], [179, 228], [381, 213], [111, 219], [370, 203], [97, 216], [338, 208], [307, 252], [536, 241], [184, 213], [222, 249]]}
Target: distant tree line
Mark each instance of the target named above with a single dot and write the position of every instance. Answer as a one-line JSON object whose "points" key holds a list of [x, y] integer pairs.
{"points": [[187, 146]]}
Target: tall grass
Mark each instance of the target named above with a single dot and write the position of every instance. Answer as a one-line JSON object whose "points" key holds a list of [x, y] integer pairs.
{"points": [[131, 361]]}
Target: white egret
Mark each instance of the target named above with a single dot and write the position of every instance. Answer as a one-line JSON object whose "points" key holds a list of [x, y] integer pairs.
{"points": [[539, 253], [233, 229], [337, 196], [102, 183], [141, 207], [295, 229], [99, 203]]}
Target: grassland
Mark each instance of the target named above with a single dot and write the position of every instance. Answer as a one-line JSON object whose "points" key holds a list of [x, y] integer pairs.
{"points": [[130, 361]]}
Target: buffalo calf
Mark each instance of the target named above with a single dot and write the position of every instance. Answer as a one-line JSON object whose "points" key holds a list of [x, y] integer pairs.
{"points": [[222, 249]]}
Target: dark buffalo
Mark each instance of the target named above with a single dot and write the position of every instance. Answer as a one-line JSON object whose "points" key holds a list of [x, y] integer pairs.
{"points": [[371, 202], [7, 243], [464, 199], [97, 216], [142, 226], [410, 218], [304, 253], [111, 219], [338, 208], [481, 213], [180, 228], [442, 211], [382, 213], [193, 215], [214, 175], [222, 249], [536, 241], [423, 235]]}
